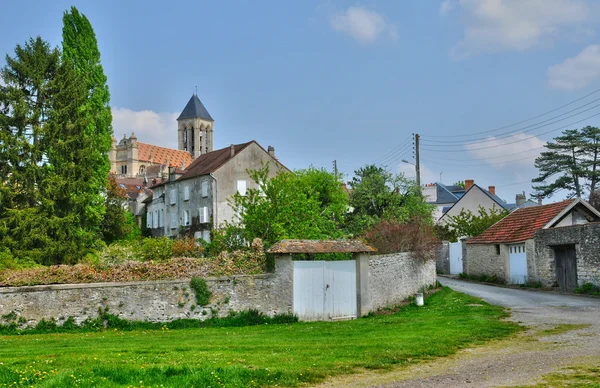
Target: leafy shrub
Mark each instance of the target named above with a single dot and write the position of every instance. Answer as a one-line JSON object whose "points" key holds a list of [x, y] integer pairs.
{"points": [[482, 278], [158, 249], [200, 287], [118, 253], [6, 259], [588, 289], [226, 239], [416, 237], [187, 247]]}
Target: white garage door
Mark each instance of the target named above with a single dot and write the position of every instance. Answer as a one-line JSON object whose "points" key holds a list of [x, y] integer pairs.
{"points": [[518, 263]]}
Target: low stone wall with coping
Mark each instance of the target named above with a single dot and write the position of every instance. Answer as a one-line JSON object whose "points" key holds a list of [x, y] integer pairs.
{"points": [[155, 301], [395, 277]]}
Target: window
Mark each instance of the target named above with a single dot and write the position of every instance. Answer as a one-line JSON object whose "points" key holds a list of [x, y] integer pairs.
{"points": [[185, 139], [204, 189], [149, 219], [186, 193], [173, 220], [203, 213], [124, 169], [161, 218], [173, 196], [241, 187], [497, 249], [142, 169], [186, 217], [192, 140], [155, 223]]}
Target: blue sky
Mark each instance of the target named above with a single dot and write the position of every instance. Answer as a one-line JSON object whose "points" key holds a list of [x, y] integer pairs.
{"points": [[350, 81]]}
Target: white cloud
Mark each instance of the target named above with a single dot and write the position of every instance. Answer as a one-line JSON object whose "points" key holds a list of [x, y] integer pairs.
{"points": [[363, 25], [576, 72], [519, 149], [149, 127], [446, 6], [497, 25]]}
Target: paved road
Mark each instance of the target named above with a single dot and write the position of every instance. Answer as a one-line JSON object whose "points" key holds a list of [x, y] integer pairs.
{"points": [[515, 361]]}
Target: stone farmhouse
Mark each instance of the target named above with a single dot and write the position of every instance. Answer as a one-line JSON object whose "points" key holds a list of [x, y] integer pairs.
{"points": [[557, 244], [185, 190]]}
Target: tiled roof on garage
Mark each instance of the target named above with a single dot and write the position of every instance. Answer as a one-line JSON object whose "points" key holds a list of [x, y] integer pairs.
{"points": [[520, 225]]}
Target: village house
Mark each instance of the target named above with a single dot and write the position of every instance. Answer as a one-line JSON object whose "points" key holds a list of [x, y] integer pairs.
{"points": [[556, 244]]}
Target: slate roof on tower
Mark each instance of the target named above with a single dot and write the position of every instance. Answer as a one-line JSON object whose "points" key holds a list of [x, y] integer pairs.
{"points": [[193, 109]]}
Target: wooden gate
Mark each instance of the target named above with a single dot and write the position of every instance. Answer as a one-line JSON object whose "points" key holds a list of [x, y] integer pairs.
{"points": [[566, 267], [325, 290]]}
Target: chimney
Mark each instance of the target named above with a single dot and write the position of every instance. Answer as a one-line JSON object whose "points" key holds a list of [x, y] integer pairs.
{"points": [[231, 151], [539, 199], [271, 151], [468, 184], [520, 199], [492, 189]]}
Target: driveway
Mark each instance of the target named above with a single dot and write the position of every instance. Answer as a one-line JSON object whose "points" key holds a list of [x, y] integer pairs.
{"points": [[515, 361]]}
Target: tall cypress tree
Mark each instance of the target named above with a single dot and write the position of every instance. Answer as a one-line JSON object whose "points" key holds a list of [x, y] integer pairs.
{"points": [[80, 51]]}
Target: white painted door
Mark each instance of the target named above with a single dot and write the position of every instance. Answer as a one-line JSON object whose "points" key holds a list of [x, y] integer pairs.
{"points": [[456, 264], [517, 263], [325, 290]]}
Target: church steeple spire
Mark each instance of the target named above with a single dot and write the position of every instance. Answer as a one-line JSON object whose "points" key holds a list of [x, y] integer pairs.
{"points": [[195, 128]]}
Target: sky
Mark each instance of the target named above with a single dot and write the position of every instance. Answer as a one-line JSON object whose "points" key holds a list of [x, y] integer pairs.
{"points": [[485, 83]]}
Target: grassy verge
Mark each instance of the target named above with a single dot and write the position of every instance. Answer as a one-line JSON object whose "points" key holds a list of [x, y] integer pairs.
{"points": [[572, 377], [284, 355]]}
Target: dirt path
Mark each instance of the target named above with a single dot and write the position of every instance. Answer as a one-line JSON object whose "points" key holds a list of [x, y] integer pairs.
{"points": [[521, 360]]}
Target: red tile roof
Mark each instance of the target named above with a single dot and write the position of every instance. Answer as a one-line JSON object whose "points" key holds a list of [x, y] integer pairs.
{"points": [[520, 225], [160, 155]]}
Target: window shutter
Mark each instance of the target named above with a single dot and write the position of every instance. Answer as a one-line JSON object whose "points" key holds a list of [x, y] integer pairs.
{"points": [[173, 196], [161, 218], [173, 220], [204, 189], [155, 219], [149, 219], [186, 217], [186, 193], [241, 187], [203, 213], [206, 235]]}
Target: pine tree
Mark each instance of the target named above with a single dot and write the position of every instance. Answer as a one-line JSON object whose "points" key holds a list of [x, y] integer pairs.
{"points": [[564, 159], [591, 148]]}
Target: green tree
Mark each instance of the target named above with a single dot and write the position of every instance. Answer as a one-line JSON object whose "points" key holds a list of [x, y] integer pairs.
{"points": [[307, 205], [379, 195], [591, 149], [460, 184], [467, 224], [563, 162], [25, 103], [118, 223], [80, 50]]}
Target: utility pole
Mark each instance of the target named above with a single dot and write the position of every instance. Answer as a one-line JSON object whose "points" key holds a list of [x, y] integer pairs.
{"points": [[335, 172], [417, 164]]}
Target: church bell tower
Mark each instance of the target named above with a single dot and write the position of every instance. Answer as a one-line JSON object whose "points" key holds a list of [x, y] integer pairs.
{"points": [[195, 128]]}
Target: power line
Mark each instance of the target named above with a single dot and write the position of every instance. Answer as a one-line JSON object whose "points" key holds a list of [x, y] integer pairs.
{"points": [[489, 157], [508, 134], [395, 156], [516, 141], [485, 164], [524, 121], [402, 145]]}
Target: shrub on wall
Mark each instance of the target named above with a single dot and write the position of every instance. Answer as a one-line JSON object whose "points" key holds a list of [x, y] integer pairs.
{"points": [[415, 237], [158, 249], [187, 247], [200, 287]]}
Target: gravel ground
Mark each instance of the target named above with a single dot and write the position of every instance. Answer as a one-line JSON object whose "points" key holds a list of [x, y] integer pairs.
{"points": [[516, 361]]}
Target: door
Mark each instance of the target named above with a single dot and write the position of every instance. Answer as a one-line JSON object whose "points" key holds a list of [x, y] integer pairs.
{"points": [[517, 264], [456, 263], [325, 290], [566, 267]]}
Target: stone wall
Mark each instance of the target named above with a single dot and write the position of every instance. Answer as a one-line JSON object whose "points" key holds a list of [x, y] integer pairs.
{"points": [[483, 259], [442, 260], [390, 280], [395, 277], [586, 239], [155, 301]]}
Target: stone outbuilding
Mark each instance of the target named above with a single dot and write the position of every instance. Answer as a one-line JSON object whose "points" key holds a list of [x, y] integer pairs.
{"points": [[556, 244]]}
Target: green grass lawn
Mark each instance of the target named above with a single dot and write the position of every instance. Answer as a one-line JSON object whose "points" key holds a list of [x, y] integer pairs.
{"points": [[284, 355]]}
